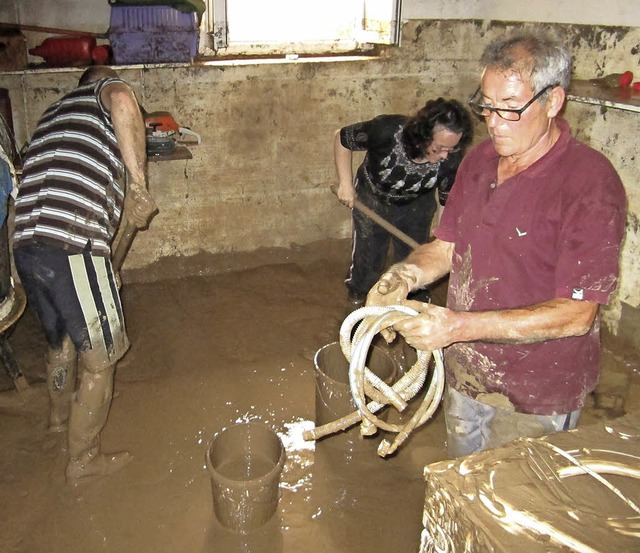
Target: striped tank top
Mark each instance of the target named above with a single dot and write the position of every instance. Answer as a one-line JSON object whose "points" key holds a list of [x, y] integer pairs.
{"points": [[72, 188]]}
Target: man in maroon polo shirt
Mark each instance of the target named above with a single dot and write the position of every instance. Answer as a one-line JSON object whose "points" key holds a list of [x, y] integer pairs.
{"points": [[530, 238]]}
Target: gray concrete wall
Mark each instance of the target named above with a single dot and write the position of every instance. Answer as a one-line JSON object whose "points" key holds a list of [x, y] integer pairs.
{"points": [[589, 12], [261, 176]]}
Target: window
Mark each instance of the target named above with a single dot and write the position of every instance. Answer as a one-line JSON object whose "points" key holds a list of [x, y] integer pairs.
{"points": [[265, 27]]}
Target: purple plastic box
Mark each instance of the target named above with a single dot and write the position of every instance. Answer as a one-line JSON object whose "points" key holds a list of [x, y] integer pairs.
{"points": [[152, 34]]}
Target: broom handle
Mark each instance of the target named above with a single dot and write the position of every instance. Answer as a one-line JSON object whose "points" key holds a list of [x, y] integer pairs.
{"points": [[382, 222]]}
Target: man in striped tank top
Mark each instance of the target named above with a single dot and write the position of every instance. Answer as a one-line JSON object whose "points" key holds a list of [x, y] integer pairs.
{"points": [[70, 201]]}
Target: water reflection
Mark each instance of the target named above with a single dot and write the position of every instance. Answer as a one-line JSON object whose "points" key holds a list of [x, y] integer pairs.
{"points": [[265, 539], [353, 483]]}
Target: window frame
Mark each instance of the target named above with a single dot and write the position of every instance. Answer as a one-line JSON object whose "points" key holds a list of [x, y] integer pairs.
{"points": [[216, 37]]}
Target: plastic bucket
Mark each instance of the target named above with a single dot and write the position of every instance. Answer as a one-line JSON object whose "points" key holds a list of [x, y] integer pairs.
{"points": [[333, 394], [245, 462]]}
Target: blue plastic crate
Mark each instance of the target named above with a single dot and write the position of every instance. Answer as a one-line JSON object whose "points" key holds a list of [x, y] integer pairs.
{"points": [[152, 34]]}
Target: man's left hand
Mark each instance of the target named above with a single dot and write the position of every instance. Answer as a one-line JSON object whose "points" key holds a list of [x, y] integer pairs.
{"points": [[431, 329]]}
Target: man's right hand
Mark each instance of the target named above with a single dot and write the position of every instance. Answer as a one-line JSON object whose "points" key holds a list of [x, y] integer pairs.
{"points": [[346, 194], [394, 287], [139, 207]]}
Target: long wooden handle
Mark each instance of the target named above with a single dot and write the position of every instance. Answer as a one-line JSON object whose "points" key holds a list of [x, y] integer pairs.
{"points": [[122, 243], [382, 222]]}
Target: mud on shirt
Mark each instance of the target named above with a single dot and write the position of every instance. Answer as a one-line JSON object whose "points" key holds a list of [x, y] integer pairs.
{"points": [[551, 231]]}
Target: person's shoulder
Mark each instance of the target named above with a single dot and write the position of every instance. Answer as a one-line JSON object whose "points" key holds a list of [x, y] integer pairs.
{"points": [[390, 119], [578, 147], [378, 121], [98, 84], [111, 81], [383, 128], [114, 89], [590, 174], [573, 148], [397, 117], [587, 158]]}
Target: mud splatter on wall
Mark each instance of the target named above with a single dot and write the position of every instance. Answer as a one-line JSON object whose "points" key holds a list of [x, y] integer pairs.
{"points": [[261, 176]]}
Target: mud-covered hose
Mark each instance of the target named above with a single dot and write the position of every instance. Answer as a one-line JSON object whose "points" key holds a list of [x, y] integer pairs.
{"points": [[361, 343], [361, 379], [407, 386]]}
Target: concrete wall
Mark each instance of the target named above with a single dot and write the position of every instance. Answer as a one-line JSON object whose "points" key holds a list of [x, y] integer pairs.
{"points": [[261, 176], [590, 12]]}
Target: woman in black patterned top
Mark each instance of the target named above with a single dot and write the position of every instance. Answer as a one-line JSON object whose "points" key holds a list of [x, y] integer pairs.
{"points": [[406, 159]]}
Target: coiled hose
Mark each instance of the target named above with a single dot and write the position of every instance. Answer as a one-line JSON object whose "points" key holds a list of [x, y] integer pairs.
{"points": [[363, 382]]}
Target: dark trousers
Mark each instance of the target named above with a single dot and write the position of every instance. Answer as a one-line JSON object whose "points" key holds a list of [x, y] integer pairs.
{"points": [[370, 242], [75, 295]]}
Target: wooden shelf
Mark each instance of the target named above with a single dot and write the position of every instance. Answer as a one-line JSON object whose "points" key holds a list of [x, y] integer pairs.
{"points": [[181, 152], [588, 92]]}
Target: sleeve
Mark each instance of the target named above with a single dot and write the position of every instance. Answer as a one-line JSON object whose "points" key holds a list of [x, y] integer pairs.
{"points": [[591, 236], [99, 87], [366, 135]]}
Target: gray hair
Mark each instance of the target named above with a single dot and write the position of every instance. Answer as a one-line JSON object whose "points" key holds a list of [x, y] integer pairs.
{"points": [[538, 59]]}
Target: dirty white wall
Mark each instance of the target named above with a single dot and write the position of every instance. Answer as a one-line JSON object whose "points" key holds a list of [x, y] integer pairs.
{"points": [[590, 12], [261, 175]]}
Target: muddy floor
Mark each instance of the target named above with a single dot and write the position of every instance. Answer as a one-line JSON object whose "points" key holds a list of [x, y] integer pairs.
{"points": [[206, 352]]}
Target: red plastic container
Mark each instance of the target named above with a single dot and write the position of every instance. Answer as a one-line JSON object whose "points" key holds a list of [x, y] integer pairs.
{"points": [[101, 55], [66, 51], [626, 79]]}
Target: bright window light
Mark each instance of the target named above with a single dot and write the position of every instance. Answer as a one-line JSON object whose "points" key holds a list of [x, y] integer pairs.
{"points": [[257, 21], [286, 25]]}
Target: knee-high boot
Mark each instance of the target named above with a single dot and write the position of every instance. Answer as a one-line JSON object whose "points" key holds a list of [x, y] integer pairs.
{"points": [[89, 413], [61, 367]]}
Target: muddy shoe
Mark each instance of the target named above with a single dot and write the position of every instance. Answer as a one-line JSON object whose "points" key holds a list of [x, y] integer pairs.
{"points": [[90, 467]]}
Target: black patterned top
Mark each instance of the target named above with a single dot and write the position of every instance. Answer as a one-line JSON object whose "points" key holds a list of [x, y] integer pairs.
{"points": [[389, 173]]}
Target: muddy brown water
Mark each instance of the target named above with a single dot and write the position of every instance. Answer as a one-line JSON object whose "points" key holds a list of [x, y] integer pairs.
{"points": [[207, 352]]}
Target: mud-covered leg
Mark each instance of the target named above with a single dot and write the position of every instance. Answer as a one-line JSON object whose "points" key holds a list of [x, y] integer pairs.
{"points": [[61, 367], [89, 413]]}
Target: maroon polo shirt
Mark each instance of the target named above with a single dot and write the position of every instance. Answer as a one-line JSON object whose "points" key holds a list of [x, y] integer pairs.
{"points": [[552, 231]]}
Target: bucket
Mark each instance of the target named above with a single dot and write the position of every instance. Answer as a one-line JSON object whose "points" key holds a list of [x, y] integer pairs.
{"points": [[245, 462], [333, 393]]}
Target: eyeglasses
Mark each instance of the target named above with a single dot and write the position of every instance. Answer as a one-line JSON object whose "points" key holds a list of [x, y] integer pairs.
{"points": [[443, 150], [506, 113]]}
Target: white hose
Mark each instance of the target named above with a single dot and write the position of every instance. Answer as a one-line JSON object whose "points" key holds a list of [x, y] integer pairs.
{"points": [[362, 380]]}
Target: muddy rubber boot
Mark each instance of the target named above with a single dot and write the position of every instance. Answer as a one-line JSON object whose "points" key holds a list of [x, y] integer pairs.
{"points": [[61, 368], [89, 413]]}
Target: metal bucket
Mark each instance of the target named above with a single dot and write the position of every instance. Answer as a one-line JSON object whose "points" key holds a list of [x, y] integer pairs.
{"points": [[333, 394], [245, 462]]}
